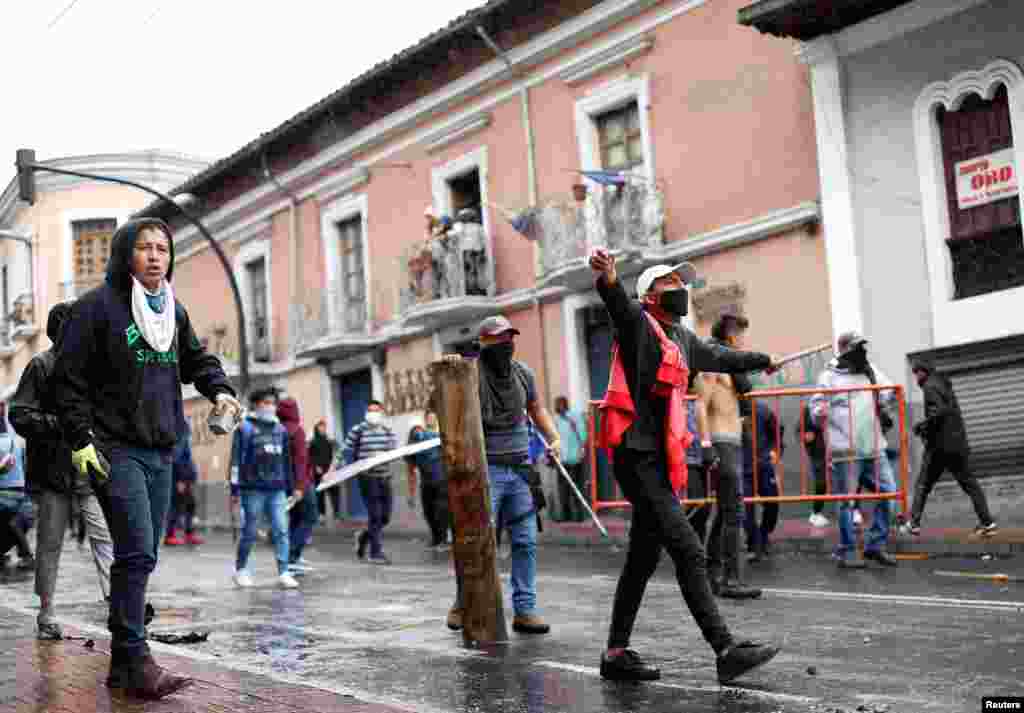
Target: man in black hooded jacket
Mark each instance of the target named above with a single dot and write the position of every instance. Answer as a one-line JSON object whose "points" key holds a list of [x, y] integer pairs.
{"points": [[126, 351], [51, 480], [945, 441]]}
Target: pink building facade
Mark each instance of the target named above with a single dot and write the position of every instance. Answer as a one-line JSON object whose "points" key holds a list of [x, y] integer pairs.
{"points": [[348, 296]]}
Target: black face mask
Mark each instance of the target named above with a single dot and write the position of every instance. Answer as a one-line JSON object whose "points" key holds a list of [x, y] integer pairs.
{"points": [[498, 357], [675, 301], [856, 360]]}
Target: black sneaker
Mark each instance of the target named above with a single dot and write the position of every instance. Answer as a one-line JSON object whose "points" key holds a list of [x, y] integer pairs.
{"points": [[986, 530], [733, 589], [378, 559], [628, 666], [742, 657], [361, 537], [27, 563], [881, 557]]}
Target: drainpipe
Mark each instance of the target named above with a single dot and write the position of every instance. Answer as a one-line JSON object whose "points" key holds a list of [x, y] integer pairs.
{"points": [[531, 173], [293, 245]]}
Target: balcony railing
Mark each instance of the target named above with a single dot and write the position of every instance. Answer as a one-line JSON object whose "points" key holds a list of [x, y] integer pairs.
{"points": [[628, 218], [451, 274]]}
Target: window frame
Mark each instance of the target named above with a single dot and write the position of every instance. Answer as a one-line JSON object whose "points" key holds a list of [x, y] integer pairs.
{"points": [[628, 136], [606, 98], [331, 215], [250, 252], [67, 259]]}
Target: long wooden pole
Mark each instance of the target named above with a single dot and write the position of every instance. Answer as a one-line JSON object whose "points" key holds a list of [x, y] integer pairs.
{"points": [[457, 402]]}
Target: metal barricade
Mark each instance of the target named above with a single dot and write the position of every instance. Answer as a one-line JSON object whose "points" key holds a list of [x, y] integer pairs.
{"points": [[605, 493]]}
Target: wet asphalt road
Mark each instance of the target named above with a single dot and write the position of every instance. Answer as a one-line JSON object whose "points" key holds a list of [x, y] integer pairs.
{"points": [[896, 640]]}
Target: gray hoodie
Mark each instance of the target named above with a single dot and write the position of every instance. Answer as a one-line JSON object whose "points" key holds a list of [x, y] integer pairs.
{"points": [[867, 439]]}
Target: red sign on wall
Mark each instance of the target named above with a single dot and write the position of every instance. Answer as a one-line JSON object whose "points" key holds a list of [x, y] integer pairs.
{"points": [[986, 179]]}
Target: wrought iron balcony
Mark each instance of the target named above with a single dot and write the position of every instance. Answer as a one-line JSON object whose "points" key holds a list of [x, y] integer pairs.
{"points": [[625, 219], [447, 278], [339, 321]]}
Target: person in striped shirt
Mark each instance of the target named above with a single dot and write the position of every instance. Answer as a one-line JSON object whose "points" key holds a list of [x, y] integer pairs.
{"points": [[367, 439]]}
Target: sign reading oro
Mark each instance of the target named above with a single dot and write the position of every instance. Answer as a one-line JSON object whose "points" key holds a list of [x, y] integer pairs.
{"points": [[985, 179]]}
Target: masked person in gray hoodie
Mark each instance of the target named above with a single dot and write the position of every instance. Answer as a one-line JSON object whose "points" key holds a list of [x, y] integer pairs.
{"points": [[51, 478], [856, 424], [127, 349]]}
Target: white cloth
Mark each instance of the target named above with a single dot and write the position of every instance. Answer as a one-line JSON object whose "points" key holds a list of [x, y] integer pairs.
{"points": [[157, 327]]}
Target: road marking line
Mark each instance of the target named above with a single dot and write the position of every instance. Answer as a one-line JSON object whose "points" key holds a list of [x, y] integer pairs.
{"points": [[986, 604], [979, 575], [590, 671]]}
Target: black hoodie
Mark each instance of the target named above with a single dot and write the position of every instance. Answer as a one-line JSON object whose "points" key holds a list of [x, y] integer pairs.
{"points": [[113, 387], [34, 415], [943, 425]]}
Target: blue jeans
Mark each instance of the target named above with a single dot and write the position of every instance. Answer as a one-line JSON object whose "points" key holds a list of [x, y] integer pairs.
{"points": [[379, 501], [137, 497], [512, 507], [271, 503], [843, 482], [767, 485], [303, 520]]}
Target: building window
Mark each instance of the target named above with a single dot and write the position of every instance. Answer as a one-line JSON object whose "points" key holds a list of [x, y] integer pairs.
{"points": [[620, 138], [985, 241], [256, 278], [91, 241], [353, 275]]}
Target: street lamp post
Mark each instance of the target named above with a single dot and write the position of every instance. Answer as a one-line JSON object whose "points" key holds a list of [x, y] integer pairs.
{"points": [[25, 167]]}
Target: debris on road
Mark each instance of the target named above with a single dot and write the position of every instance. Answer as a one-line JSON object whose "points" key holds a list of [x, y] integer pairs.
{"points": [[812, 670], [189, 638]]}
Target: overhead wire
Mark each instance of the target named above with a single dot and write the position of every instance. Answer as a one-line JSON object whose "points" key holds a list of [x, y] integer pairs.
{"points": [[61, 14]]}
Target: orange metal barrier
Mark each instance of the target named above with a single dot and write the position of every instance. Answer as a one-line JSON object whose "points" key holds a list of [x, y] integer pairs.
{"points": [[602, 480]]}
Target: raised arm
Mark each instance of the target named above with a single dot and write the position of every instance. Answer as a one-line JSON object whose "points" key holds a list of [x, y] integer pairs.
{"points": [[626, 314], [722, 360]]}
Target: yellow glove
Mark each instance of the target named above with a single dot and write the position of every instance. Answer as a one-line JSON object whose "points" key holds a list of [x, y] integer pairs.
{"points": [[83, 458]]}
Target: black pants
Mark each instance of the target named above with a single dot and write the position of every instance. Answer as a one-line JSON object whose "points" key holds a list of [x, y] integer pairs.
{"points": [[182, 504], [936, 463], [11, 536], [321, 498], [697, 489], [820, 482], [659, 523], [572, 509], [724, 545], [434, 496]]}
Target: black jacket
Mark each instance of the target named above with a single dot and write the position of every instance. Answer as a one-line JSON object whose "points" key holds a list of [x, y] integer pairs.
{"points": [[104, 366], [640, 351], [33, 415], [943, 424], [816, 447]]}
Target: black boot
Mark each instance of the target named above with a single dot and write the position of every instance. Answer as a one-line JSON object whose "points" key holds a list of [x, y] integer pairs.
{"points": [[734, 589], [627, 666], [740, 658]]}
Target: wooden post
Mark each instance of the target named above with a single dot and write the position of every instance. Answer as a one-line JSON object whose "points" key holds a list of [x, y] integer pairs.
{"points": [[457, 402]]}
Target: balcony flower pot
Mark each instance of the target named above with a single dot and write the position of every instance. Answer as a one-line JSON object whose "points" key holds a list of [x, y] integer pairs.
{"points": [[579, 192]]}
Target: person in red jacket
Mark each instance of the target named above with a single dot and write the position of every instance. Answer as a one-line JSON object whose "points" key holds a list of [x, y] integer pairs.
{"points": [[304, 513]]}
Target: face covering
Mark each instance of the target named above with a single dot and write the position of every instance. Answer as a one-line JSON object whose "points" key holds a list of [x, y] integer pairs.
{"points": [[675, 301], [857, 360], [498, 357], [374, 418], [268, 413]]}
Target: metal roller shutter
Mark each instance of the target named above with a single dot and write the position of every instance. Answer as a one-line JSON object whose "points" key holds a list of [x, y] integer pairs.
{"points": [[992, 402]]}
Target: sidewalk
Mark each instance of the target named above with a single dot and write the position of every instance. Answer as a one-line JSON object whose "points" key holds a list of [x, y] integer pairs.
{"points": [[67, 677]]}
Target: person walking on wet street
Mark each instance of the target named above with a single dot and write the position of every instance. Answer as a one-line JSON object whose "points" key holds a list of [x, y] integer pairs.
{"points": [[946, 448], [13, 500], [126, 350], [51, 479], [261, 480], [303, 516], [433, 486], [508, 401], [813, 437], [721, 393], [856, 423], [183, 499], [572, 431], [644, 425], [365, 440], [321, 457]]}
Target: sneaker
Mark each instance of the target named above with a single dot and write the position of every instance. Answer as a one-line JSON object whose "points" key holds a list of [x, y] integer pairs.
{"points": [[243, 580], [27, 563], [146, 680], [851, 562], [287, 581], [48, 630], [262, 534], [321, 520], [454, 620], [911, 530], [740, 658], [360, 538], [986, 530], [881, 557], [194, 539], [172, 540], [734, 589], [627, 666], [529, 624], [818, 520], [379, 559], [858, 519]]}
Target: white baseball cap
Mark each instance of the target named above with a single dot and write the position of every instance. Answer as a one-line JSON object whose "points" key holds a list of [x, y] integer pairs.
{"points": [[686, 271]]}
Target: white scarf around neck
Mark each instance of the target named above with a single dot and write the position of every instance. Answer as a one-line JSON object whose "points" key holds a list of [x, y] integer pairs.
{"points": [[157, 327]]}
